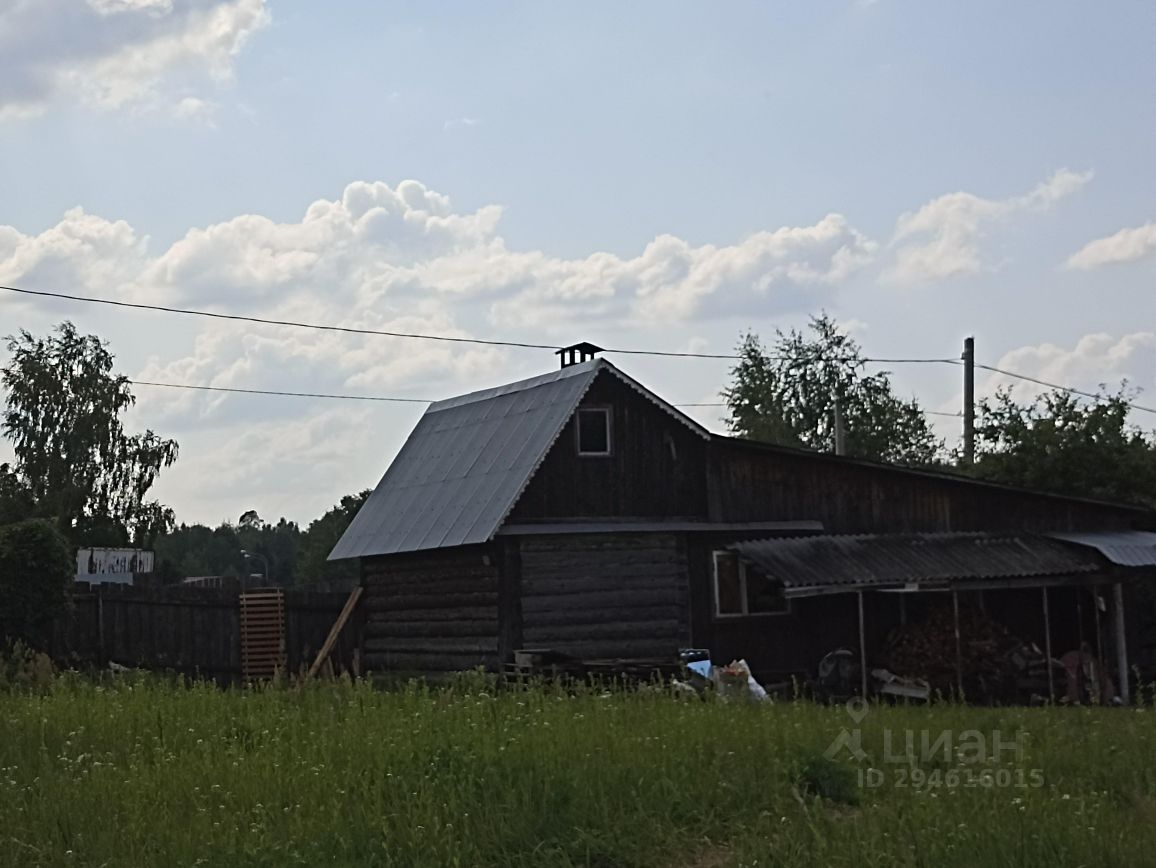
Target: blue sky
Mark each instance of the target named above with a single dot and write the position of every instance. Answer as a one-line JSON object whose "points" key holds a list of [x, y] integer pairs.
{"points": [[660, 175]]}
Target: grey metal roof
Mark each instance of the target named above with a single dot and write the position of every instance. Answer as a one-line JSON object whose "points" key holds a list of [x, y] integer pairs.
{"points": [[1128, 548], [468, 460], [836, 562], [666, 525]]}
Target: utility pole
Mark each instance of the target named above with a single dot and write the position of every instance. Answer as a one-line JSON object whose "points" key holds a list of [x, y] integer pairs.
{"points": [[840, 430], [969, 401]]}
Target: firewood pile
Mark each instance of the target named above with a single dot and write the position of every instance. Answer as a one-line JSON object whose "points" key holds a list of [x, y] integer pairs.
{"points": [[996, 665]]}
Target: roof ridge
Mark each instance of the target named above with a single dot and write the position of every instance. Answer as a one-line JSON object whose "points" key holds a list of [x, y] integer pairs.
{"points": [[534, 382]]}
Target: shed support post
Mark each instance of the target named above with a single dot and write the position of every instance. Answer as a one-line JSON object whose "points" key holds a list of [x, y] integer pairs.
{"points": [[1080, 683], [862, 647], [958, 643], [1048, 647], [1100, 667], [1121, 642]]}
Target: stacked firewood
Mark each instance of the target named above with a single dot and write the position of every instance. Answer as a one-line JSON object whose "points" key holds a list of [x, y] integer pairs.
{"points": [[994, 663]]}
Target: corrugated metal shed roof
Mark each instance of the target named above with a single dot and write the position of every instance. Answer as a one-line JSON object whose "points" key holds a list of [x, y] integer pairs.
{"points": [[832, 562], [1128, 548], [468, 460]]}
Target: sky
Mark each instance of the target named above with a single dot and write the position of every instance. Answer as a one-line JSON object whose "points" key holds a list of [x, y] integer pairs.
{"points": [[652, 175]]}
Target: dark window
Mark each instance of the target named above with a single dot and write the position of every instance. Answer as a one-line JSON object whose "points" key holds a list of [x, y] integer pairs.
{"points": [[594, 431], [728, 584], [741, 589]]}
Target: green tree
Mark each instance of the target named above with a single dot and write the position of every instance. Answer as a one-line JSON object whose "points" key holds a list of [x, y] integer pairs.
{"points": [[1058, 442], [64, 404], [787, 396], [320, 538], [36, 568], [16, 502]]}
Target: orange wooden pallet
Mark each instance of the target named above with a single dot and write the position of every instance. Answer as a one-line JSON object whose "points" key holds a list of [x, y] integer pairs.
{"points": [[262, 634]]}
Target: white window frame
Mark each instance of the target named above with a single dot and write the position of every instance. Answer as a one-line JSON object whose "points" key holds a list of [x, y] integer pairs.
{"points": [[608, 417], [745, 613]]}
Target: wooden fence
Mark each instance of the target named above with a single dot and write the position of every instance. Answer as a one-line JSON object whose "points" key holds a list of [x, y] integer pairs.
{"points": [[194, 631]]}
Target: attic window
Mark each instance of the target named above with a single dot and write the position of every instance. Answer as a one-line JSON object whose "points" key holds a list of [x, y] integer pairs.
{"points": [[594, 431], [742, 589]]}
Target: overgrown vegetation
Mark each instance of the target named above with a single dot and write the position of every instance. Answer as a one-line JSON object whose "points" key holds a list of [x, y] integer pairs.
{"points": [[136, 773], [36, 567]]}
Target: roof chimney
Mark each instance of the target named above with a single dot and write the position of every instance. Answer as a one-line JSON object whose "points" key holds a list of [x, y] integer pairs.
{"points": [[577, 353]]}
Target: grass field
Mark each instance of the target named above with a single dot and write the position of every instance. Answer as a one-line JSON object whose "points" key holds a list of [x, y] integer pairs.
{"points": [[140, 773]]}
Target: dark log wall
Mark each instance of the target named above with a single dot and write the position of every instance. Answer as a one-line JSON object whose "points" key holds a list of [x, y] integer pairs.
{"points": [[605, 595], [431, 612], [657, 466], [749, 483]]}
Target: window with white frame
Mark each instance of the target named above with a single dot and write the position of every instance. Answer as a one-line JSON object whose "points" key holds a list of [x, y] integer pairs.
{"points": [[593, 430], [742, 589]]}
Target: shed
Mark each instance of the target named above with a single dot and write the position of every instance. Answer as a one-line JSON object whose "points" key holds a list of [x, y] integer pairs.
{"points": [[579, 511]]}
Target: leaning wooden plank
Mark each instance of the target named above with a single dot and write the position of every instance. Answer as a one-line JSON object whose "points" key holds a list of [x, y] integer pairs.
{"points": [[335, 631]]}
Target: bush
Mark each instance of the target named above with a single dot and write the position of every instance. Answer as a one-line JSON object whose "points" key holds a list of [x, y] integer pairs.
{"points": [[36, 567]]}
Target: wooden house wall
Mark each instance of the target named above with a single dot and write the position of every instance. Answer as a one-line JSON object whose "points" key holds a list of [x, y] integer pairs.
{"points": [[749, 483], [605, 595], [656, 467], [434, 611]]}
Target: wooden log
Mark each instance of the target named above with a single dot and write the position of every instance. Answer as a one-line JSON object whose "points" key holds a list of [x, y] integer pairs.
{"points": [[382, 615], [486, 627], [424, 663], [388, 585], [592, 583], [548, 635], [626, 598], [591, 649], [568, 614], [430, 601], [446, 645]]}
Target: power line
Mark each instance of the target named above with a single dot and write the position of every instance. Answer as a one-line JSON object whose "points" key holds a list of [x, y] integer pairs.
{"points": [[88, 299], [1057, 386], [330, 395], [280, 322], [488, 342], [279, 393]]}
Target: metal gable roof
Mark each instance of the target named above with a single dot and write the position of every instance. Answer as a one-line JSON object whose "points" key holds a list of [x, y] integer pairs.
{"points": [[468, 460]]}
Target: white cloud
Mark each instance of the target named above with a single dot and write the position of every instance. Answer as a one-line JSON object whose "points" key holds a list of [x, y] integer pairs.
{"points": [[192, 108], [1096, 359], [403, 259], [459, 123], [112, 54], [1127, 245], [943, 238]]}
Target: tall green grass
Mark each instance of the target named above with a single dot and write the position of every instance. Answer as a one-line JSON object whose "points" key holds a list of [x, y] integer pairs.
{"points": [[140, 773]]}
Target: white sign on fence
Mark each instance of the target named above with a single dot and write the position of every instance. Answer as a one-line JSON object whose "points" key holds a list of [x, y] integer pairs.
{"points": [[104, 565]]}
